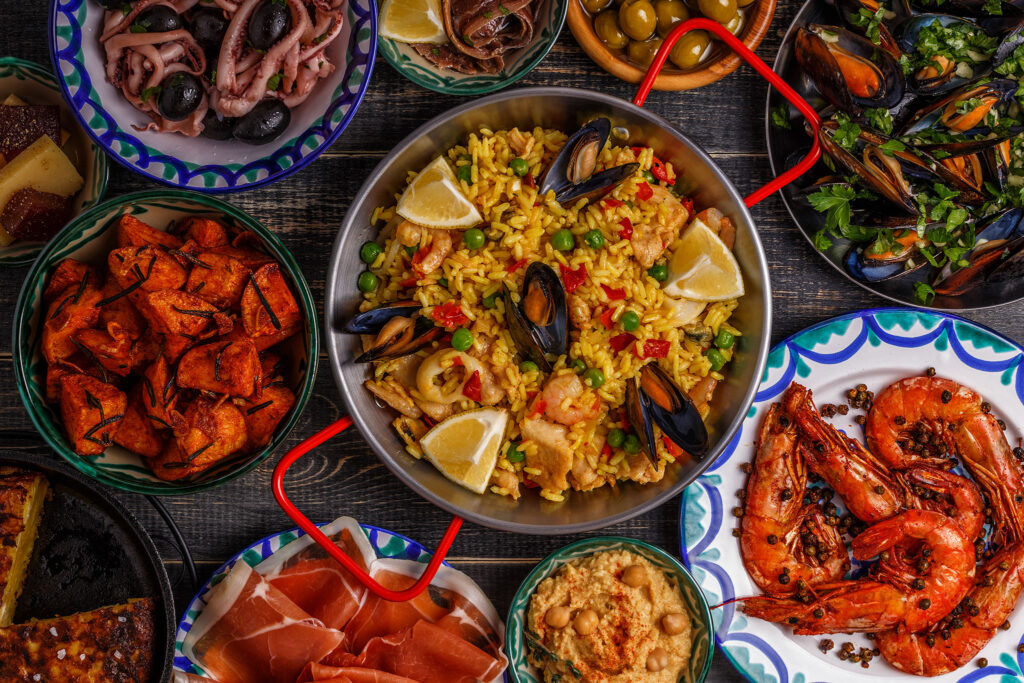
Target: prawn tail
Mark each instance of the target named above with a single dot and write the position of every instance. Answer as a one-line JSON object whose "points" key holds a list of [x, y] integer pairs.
{"points": [[929, 654]]}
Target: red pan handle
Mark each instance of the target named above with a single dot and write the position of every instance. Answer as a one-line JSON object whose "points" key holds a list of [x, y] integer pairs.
{"points": [[277, 483], [760, 67]]}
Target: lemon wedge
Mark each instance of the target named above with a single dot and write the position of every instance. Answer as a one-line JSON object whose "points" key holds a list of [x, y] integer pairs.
{"points": [[465, 447], [702, 268], [435, 200], [412, 21]]}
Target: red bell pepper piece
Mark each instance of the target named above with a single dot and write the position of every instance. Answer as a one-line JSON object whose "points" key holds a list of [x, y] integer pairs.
{"points": [[457, 362], [606, 319], [621, 341], [644, 191], [408, 282], [539, 406], [654, 348], [516, 266], [606, 450], [449, 314], [573, 278], [627, 229], [529, 181], [673, 450], [471, 389], [611, 202], [687, 204], [613, 293]]}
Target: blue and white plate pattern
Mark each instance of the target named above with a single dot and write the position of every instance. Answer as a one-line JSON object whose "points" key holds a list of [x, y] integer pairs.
{"points": [[874, 347], [201, 163]]}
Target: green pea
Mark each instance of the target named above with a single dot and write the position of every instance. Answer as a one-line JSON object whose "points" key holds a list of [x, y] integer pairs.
{"points": [[725, 339], [631, 444], [659, 271], [650, 177], [443, 281], [465, 173], [563, 240], [367, 281], [410, 250], [519, 166], [716, 358], [474, 238], [578, 366], [594, 378], [594, 239], [528, 366], [491, 300], [462, 339], [369, 252], [616, 438], [630, 321], [514, 454]]}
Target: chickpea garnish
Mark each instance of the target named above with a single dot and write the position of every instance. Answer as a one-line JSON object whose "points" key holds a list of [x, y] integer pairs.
{"points": [[585, 622], [675, 623], [558, 616], [657, 660], [634, 575]]}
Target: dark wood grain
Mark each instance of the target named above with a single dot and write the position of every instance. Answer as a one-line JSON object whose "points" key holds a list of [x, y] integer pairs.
{"points": [[344, 477]]}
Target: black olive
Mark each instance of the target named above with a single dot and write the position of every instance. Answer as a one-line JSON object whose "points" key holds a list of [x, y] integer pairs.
{"points": [[180, 94], [208, 27], [270, 21], [156, 19], [217, 128], [266, 121]]}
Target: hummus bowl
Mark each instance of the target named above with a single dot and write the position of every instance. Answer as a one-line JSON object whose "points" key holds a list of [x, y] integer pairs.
{"points": [[696, 606]]}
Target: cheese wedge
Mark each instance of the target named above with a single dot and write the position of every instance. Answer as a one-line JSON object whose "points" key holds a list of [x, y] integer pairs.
{"points": [[43, 166], [22, 494]]}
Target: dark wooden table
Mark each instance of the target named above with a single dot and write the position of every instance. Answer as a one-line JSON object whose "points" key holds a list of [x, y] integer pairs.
{"points": [[305, 209]]}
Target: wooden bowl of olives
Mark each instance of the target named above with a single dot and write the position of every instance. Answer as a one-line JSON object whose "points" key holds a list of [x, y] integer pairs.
{"points": [[622, 37]]}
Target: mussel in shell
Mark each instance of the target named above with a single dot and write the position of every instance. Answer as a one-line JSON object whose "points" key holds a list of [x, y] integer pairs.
{"points": [[962, 111], [539, 322], [847, 69], [573, 173], [654, 399], [885, 260], [996, 256], [853, 13], [399, 328], [941, 74]]}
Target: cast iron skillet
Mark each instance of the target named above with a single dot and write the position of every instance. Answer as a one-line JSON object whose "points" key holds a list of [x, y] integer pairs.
{"points": [[90, 552]]}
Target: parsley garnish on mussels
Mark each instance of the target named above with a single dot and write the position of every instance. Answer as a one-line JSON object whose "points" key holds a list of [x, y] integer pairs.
{"points": [[780, 117], [870, 22], [960, 42]]}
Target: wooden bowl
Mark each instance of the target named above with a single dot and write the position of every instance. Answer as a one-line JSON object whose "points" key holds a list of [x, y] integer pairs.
{"points": [[722, 63]]}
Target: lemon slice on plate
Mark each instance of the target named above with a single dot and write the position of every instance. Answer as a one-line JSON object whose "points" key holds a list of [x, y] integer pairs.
{"points": [[412, 21], [465, 447], [435, 200], [702, 268]]}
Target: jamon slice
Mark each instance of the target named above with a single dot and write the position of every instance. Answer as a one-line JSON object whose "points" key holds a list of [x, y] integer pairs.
{"points": [[320, 673], [250, 631], [316, 582]]}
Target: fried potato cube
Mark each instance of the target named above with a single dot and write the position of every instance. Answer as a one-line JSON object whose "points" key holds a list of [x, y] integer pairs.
{"points": [[218, 279], [213, 430], [268, 306], [250, 258], [154, 268], [74, 311], [112, 354], [69, 273], [146, 349], [92, 411], [266, 341], [120, 317], [179, 316], [137, 432], [223, 367], [54, 371], [159, 392], [205, 231], [263, 414], [131, 232]]}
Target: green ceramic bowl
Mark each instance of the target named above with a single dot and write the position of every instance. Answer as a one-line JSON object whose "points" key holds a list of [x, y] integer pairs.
{"points": [[89, 238], [520, 669], [36, 84], [405, 60]]}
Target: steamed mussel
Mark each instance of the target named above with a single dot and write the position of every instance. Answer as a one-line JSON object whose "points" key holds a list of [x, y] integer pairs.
{"points": [[847, 69], [574, 174], [996, 259], [654, 399], [539, 322], [398, 330]]}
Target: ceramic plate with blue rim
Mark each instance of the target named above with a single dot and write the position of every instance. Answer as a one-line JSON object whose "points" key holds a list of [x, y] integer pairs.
{"points": [[200, 163], [35, 84], [406, 61], [700, 617], [874, 347]]}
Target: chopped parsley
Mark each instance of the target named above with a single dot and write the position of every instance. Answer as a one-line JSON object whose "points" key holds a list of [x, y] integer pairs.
{"points": [[780, 117], [870, 22], [504, 10], [150, 92], [847, 133], [960, 42], [274, 82], [137, 28], [880, 120], [924, 292], [890, 147]]}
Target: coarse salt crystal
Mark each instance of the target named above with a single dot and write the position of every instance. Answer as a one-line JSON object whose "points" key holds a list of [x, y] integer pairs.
{"points": [[61, 653], [122, 619], [53, 631], [117, 653]]}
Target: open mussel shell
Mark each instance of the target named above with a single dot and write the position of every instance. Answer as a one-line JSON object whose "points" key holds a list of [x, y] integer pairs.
{"points": [[945, 75], [654, 399], [847, 69], [996, 160], [539, 323], [999, 242], [871, 263], [572, 174], [852, 12], [962, 111], [880, 172], [399, 328]]}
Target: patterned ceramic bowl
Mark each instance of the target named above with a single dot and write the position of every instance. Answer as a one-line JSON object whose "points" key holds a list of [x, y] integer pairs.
{"points": [[35, 83], [700, 615], [89, 238], [405, 60], [202, 164]]}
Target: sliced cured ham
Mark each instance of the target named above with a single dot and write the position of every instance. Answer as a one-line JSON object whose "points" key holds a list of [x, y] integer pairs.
{"points": [[320, 673], [317, 582], [250, 631]]}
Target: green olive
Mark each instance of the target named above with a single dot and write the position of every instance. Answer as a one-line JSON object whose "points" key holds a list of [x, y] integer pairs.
{"points": [[638, 19], [595, 6], [735, 24], [687, 52], [670, 13], [745, 3], [721, 11], [642, 52], [606, 26]]}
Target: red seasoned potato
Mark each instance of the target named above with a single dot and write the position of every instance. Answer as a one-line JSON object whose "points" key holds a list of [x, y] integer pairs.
{"points": [[250, 258], [154, 267], [113, 354], [264, 342], [263, 414], [218, 279], [268, 306], [205, 231], [223, 367], [74, 311], [160, 392], [137, 432], [211, 431], [179, 316], [69, 273], [131, 232], [120, 316], [92, 411]]}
